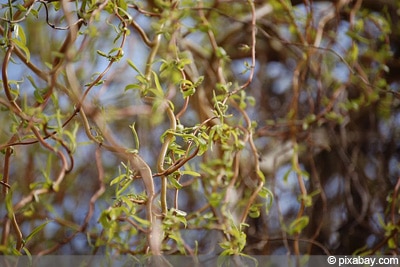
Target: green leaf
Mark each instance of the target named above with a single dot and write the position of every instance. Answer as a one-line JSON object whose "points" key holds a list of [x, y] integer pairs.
{"points": [[122, 8], [254, 211], [143, 222], [188, 88], [35, 231], [115, 53], [264, 192], [125, 183], [35, 13], [135, 136], [165, 65], [38, 96], [19, 33], [306, 199], [20, 7], [286, 175], [182, 62], [251, 100], [23, 47], [157, 83], [215, 199], [221, 53], [392, 243], [175, 183], [132, 87], [9, 204], [101, 53], [117, 179], [191, 173], [32, 81], [261, 175], [298, 225], [28, 253], [199, 81], [133, 66], [353, 53]]}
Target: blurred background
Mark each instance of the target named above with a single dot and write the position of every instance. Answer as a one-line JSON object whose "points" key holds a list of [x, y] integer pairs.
{"points": [[323, 102]]}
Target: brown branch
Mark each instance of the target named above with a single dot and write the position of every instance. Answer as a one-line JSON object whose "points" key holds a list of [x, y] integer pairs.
{"points": [[253, 50], [4, 74], [98, 193]]}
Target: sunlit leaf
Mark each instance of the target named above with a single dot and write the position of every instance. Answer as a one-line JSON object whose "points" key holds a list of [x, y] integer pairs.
{"points": [[24, 48]]}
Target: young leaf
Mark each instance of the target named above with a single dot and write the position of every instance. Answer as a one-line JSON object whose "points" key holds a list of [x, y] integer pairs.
{"points": [[298, 225], [175, 183], [133, 66], [35, 231], [23, 47], [191, 173], [157, 83], [117, 179]]}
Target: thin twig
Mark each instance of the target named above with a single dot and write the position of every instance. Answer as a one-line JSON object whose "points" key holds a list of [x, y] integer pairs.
{"points": [[253, 49]]}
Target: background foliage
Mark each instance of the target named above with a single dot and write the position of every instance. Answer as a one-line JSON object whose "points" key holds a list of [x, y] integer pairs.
{"points": [[196, 127]]}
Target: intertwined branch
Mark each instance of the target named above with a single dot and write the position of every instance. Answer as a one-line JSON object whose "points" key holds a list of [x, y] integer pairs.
{"points": [[138, 111]]}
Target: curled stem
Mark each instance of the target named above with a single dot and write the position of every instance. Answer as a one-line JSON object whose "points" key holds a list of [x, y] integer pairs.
{"points": [[161, 159]]}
